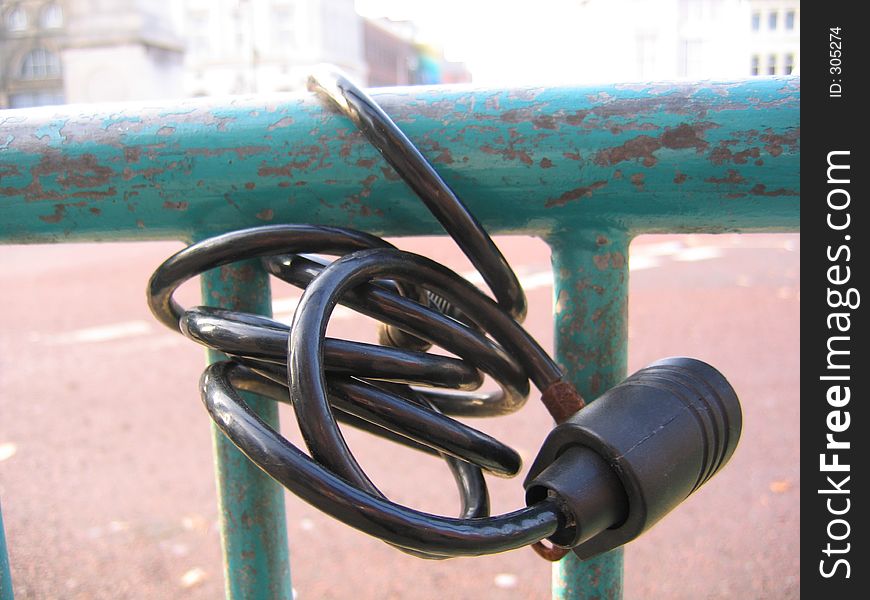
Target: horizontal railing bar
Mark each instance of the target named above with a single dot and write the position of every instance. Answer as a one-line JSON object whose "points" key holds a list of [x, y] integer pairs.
{"points": [[708, 156]]}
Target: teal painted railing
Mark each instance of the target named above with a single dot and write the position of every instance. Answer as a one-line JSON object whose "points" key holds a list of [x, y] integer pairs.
{"points": [[586, 169]]}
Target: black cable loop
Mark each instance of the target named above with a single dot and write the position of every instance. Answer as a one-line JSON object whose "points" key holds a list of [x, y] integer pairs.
{"points": [[422, 177], [437, 328], [396, 391], [404, 527]]}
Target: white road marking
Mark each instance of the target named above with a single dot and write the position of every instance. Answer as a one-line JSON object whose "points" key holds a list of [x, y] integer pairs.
{"points": [[534, 281], [283, 309], [194, 523], [162, 340], [103, 333], [7, 451], [529, 281], [506, 580], [657, 249], [698, 253], [192, 577], [285, 305], [641, 262], [118, 526]]}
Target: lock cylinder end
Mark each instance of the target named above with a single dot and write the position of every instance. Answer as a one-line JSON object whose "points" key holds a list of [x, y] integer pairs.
{"points": [[626, 460], [588, 491]]}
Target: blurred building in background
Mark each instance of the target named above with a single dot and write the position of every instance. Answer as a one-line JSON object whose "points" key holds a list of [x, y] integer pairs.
{"points": [[252, 46], [688, 39], [394, 56], [775, 37], [32, 37], [121, 50], [57, 51], [390, 52]]}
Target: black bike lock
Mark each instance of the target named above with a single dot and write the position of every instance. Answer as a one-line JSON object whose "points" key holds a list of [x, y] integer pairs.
{"points": [[603, 476], [624, 461]]}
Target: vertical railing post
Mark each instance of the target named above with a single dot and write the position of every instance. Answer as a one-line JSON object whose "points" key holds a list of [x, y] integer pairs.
{"points": [[5, 571], [591, 310], [250, 504]]}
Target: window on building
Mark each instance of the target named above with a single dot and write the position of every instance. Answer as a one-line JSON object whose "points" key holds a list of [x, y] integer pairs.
{"points": [[789, 64], [283, 27], [789, 20], [41, 98], [691, 59], [198, 34], [40, 64], [771, 64], [756, 21], [51, 16], [646, 54], [755, 68], [16, 19], [772, 20]]}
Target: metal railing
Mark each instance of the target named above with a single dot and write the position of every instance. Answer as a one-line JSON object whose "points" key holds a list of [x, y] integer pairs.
{"points": [[586, 169]]}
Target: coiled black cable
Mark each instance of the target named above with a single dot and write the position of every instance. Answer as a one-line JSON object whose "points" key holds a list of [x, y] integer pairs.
{"points": [[400, 393]]}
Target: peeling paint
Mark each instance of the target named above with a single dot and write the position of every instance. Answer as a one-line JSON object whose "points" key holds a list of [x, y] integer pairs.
{"points": [[775, 144], [95, 194], [575, 194], [641, 147], [506, 153], [760, 189], [58, 214], [732, 177], [8, 170], [685, 136], [681, 137], [284, 122], [724, 154], [437, 153], [544, 122], [510, 151], [609, 260], [637, 181], [240, 151], [132, 154]]}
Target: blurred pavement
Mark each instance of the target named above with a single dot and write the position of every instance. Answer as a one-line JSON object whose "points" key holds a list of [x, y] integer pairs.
{"points": [[105, 452]]}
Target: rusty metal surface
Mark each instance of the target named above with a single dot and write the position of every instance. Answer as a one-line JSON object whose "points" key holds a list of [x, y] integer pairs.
{"points": [[250, 504], [646, 158], [599, 577], [590, 269]]}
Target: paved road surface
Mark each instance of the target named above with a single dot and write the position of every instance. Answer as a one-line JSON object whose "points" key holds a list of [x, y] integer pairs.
{"points": [[106, 474]]}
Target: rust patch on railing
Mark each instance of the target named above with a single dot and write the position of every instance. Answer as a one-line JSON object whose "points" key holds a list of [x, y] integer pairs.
{"points": [[760, 189], [732, 176], [575, 194], [681, 137]]}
